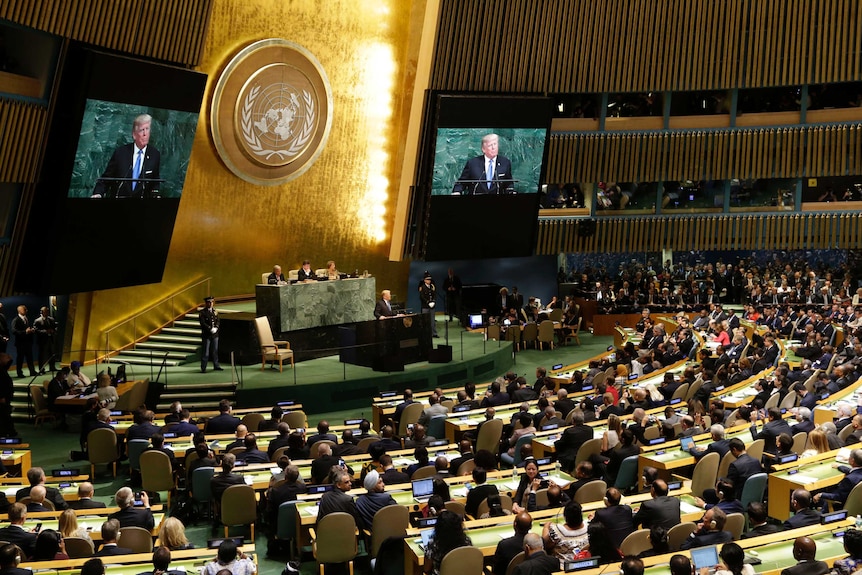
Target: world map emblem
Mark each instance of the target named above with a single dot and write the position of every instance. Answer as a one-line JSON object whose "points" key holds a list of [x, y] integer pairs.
{"points": [[279, 115]]}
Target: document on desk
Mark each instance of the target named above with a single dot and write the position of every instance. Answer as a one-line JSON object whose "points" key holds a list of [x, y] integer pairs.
{"points": [[685, 507], [311, 510], [799, 478]]}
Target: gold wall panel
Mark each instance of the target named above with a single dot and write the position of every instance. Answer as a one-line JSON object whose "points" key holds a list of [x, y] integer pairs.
{"points": [[341, 208]]}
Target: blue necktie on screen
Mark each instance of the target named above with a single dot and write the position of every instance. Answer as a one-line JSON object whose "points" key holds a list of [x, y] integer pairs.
{"points": [[490, 172], [136, 172]]}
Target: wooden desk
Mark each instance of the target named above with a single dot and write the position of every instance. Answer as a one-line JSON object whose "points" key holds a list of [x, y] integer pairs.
{"points": [[802, 474], [122, 564]]}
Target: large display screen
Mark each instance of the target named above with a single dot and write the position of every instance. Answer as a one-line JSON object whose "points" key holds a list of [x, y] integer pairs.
{"points": [[119, 140], [484, 175]]}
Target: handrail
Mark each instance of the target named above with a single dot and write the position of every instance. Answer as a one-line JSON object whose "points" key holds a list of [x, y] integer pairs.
{"points": [[159, 305]]}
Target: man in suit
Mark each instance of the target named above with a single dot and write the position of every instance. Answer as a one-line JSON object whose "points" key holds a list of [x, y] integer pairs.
{"points": [[185, 427], [110, 536], [224, 422], [16, 533], [660, 510], [322, 434], [718, 445], [510, 546], [803, 515], [536, 561], [804, 551], [292, 486], [480, 492], [145, 429], [209, 320], [37, 498], [571, 440], [616, 517], [743, 467], [46, 329], [489, 173], [221, 481], [137, 163], [338, 500], [803, 417], [710, 531], [465, 447], [306, 273], [434, 408], [390, 475], [129, 515], [774, 426], [563, 404], [276, 277], [85, 498], [757, 518], [24, 333], [279, 441], [322, 465], [383, 307], [853, 475], [36, 476]]}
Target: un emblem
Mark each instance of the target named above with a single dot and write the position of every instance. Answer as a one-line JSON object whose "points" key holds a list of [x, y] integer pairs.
{"points": [[271, 112]]}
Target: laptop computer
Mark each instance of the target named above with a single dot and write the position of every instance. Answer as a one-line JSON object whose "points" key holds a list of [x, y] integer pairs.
{"points": [[476, 320], [686, 443], [422, 489], [425, 535], [704, 557]]}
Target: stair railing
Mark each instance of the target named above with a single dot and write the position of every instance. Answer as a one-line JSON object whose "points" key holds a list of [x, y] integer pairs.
{"points": [[135, 329]]}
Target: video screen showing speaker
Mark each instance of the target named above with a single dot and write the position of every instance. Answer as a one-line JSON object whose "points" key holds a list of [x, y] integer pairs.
{"points": [[119, 141], [488, 162]]}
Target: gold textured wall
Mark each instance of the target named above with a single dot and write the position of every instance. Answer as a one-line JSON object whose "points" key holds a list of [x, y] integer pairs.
{"points": [[341, 208]]}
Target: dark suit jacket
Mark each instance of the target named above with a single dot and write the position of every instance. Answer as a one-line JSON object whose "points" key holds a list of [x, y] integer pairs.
{"points": [[662, 511], [111, 550], [23, 539], [740, 470], [392, 477], [120, 166], [222, 423], [184, 428], [764, 529], [476, 496], [131, 517], [273, 279], [141, 431], [618, 520], [803, 518], [86, 504], [842, 490], [474, 169], [306, 275], [807, 568], [708, 538], [569, 442], [221, 481], [506, 550], [381, 309], [539, 563]]}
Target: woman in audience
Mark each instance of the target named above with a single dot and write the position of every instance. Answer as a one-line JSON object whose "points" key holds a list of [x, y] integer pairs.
{"points": [[49, 547], [448, 535], [525, 495], [658, 540], [817, 441], [732, 561], [440, 489], [68, 526], [853, 546], [106, 392], [601, 545], [611, 437], [563, 539], [173, 535], [421, 455]]}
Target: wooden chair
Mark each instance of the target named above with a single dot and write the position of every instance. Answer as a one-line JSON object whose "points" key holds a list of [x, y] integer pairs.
{"points": [[334, 540], [529, 334], [492, 332], [571, 332], [513, 334], [462, 561], [77, 547], [238, 507], [546, 334], [735, 524], [679, 533], [588, 448], [157, 473], [636, 542], [252, 421], [46, 503], [456, 507], [489, 435], [505, 503], [410, 415], [295, 419], [390, 521], [516, 560], [102, 448], [590, 492], [424, 472], [271, 350], [40, 404], [138, 539]]}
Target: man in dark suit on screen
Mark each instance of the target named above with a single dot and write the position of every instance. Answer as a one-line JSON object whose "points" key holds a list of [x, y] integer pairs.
{"points": [[383, 307], [489, 173], [136, 165]]}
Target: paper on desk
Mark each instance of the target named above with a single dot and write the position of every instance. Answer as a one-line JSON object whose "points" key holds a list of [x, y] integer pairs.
{"points": [[311, 510], [467, 421], [560, 481], [249, 480], [402, 461], [688, 507], [11, 490], [459, 492], [803, 478]]}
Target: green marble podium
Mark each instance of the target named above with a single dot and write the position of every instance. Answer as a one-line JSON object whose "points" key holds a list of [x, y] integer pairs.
{"points": [[306, 305]]}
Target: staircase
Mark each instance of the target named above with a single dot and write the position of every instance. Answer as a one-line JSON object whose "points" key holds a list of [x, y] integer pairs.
{"points": [[181, 343]]}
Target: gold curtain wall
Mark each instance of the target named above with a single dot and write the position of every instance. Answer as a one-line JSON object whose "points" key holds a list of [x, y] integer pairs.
{"points": [[726, 232], [788, 152], [562, 46]]}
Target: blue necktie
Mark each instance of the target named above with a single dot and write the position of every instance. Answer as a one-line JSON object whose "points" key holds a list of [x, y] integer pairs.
{"points": [[136, 172], [490, 172]]}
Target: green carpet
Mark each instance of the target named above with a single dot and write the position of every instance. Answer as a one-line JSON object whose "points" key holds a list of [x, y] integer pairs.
{"points": [[51, 448]]}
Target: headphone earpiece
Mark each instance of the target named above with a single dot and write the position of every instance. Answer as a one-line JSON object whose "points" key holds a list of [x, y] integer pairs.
{"points": [[712, 525]]}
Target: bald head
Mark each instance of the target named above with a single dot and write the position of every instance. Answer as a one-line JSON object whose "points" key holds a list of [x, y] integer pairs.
{"points": [[523, 522], [804, 549], [533, 542]]}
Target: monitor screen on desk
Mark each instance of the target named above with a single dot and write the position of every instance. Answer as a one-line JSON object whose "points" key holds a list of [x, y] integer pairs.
{"points": [[476, 320]]}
